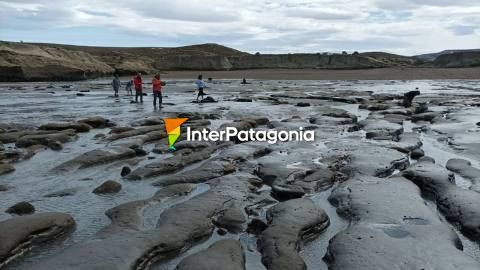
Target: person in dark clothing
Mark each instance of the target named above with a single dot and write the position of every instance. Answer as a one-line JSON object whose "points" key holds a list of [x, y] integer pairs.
{"points": [[137, 82], [128, 87], [116, 84]]}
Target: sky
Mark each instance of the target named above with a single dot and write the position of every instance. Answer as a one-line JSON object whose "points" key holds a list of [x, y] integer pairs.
{"points": [[407, 27]]}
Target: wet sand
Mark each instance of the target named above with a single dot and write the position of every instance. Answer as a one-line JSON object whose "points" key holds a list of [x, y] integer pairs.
{"points": [[319, 74]]}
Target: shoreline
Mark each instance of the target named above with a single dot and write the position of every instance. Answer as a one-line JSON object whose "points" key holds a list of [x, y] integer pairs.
{"points": [[375, 74], [329, 74]]}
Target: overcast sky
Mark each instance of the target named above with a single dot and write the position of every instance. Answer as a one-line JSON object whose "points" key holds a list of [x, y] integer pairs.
{"points": [[399, 26]]}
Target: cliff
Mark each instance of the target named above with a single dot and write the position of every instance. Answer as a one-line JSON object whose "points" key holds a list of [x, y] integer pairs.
{"points": [[25, 62], [38, 61], [458, 59]]}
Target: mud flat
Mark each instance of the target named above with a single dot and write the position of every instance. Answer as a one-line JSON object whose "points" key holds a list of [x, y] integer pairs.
{"points": [[87, 181], [325, 74]]}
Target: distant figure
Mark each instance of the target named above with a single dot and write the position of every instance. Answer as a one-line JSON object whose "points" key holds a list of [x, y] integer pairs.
{"points": [[244, 81], [157, 90], [128, 87], [200, 86], [210, 80], [116, 84], [408, 98], [137, 82]]}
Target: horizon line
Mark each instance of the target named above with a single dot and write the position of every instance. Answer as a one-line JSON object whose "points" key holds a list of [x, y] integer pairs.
{"points": [[218, 44]]}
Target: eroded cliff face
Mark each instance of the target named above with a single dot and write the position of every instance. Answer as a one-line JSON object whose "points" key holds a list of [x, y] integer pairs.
{"points": [[40, 62], [458, 59], [334, 61], [25, 62]]}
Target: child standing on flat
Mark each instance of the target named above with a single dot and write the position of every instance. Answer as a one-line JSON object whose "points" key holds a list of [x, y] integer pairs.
{"points": [[200, 86]]}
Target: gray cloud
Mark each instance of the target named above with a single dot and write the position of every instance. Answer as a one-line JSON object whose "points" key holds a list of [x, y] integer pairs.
{"points": [[411, 4], [463, 30], [405, 27], [318, 14]]}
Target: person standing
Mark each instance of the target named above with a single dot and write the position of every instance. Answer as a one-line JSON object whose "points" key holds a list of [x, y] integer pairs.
{"points": [[200, 86], [157, 90], [137, 82], [116, 84], [128, 87]]}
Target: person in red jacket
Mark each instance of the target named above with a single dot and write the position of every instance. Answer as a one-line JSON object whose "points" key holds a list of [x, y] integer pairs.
{"points": [[137, 82], [157, 90]]}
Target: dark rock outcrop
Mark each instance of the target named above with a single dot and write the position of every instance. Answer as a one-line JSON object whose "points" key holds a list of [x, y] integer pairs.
{"points": [[125, 171], [21, 208], [417, 154], [108, 187]]}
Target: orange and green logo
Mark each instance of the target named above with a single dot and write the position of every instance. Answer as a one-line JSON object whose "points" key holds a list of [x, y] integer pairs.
{"points": [[172, 125]]}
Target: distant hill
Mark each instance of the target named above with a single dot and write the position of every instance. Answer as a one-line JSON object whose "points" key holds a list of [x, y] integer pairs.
{"points": [[42, 61], [430, 57]]}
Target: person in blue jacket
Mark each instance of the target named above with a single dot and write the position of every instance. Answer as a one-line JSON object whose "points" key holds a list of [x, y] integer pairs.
{"points": [[200, 86]]}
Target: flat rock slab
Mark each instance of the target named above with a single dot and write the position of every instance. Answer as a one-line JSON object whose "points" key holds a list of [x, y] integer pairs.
{"points": [[14, 136], [96, 157], [6, 168], [289, 223], [382, 201], [18, 235], [135, 132], [63, 193], [378, 128], [222, 255], [427, 116], [459, 206], [178, 228], [97, 122], [464, 168], [205, 172], [128, 216], [391, 228], [46, 139], [181, 159], [380, 247], [407, 142], [372, 160], [78, 127]]}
